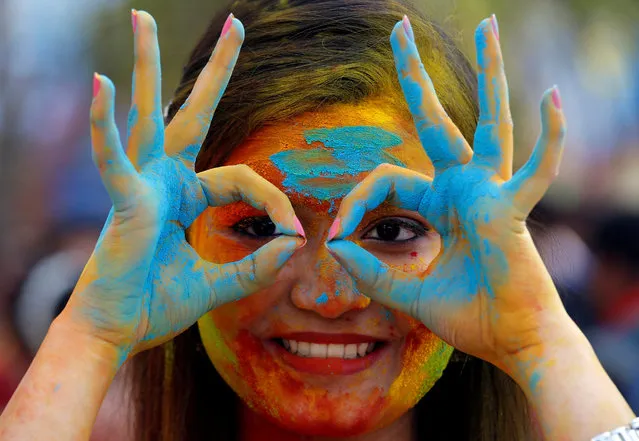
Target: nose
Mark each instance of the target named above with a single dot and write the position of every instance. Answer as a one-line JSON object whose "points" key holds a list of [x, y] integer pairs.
{"points": [[322, 285]]}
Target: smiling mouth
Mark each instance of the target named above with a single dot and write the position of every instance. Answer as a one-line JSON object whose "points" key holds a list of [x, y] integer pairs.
{"points": [[328, 354], [331, 350]]}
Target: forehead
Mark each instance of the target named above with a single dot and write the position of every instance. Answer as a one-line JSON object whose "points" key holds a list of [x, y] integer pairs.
{"points": [[321, 155]]}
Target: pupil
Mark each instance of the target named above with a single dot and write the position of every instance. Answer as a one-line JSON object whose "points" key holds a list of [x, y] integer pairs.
{"points": [[388, 231], [264, 227]]}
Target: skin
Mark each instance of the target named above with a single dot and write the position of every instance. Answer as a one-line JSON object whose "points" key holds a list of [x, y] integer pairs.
{"points": [[132, 294], [488, 293], [236, 335], [500, 305]]}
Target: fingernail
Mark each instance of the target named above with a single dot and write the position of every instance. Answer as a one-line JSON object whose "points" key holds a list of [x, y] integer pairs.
{"points": [[227, 25], [556, 98], [493, 20], [298, 227], [96, 85], [408, 28], [134, 19], [332, 232]]}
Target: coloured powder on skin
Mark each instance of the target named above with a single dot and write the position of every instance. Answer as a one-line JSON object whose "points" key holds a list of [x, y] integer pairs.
{"points": [[418, 378], [326, 173]]}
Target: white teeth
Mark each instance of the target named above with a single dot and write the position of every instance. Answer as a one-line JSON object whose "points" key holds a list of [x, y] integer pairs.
{"points": [[303, 349], [318, 351], [350, 351], [332, 350], [335, 351]]}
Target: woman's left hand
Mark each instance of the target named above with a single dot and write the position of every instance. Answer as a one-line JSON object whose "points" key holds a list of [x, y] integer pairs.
{"points": [[488, 293]]}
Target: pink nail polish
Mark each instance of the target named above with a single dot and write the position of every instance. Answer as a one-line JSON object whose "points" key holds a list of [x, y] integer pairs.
{"points": [[134, 19], [556, 98], [96, 85], [493, 20], [298, 227], [332, 232], [408, 28], [227, 25]]}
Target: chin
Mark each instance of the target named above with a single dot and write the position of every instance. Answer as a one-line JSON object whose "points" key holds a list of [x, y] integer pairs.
{"points": [[318, 402], [331, 417]]}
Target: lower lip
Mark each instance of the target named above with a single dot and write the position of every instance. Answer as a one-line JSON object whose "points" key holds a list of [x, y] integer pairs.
{"points": [[328, 366]]}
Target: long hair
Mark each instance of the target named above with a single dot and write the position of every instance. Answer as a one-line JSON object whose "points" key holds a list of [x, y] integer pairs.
{"points": [[298, 56]]}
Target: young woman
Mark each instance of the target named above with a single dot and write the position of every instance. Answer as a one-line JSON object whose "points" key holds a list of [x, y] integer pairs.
{"points": [[395, 291]]}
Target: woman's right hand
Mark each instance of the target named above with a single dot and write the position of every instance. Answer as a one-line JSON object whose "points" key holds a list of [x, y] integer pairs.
{"points": [[144, 284]]}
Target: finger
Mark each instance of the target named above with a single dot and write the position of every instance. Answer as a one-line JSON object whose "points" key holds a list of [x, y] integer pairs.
{"points": [[225, 185], [376, 280], [146, 125], [402, 187], [187, 130], [235, 280], [531, 181], [493, 144], [440, 137], [115, 169]]}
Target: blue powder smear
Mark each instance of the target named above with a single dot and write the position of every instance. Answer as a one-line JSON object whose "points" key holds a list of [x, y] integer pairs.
{"points": [[326, 173], [534, 381], [322, 299]]}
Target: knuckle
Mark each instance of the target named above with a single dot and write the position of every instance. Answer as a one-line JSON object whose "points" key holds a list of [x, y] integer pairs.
{"points": [[384, 168], [506, 123], [560, 131], [244, 171], [97, 117]]}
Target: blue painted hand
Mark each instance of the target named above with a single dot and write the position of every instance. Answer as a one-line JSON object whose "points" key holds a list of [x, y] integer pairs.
{"points": [[487, 293], [144, 283]]}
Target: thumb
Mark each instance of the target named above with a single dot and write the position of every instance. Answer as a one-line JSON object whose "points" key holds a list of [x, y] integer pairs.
{"points": [[235, 280], [377, 280]]}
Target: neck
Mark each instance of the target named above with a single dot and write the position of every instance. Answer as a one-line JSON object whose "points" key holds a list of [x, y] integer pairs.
{"points": [[257, 428]]}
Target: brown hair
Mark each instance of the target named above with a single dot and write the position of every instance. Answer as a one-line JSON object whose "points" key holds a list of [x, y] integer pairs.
{"points": [[298, 56]]}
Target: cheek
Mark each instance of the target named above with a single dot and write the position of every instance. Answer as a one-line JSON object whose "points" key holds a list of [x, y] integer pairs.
{"points": [[224, 334], [206, 238], [424, 359]]}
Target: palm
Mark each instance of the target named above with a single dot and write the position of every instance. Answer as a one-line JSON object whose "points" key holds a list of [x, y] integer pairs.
{"points": [[144, 283], [144, 245], [457, 300], [477, 294]]}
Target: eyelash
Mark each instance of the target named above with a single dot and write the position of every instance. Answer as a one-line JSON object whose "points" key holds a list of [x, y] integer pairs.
{"points": [[250, 222], [415, 227]]}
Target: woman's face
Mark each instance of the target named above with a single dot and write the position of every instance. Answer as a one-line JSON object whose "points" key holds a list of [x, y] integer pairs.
{"points": [[311, 352]]}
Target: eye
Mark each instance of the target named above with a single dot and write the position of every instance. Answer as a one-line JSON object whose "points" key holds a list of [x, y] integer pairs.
{"points": [[395, 230], [261, 226]]}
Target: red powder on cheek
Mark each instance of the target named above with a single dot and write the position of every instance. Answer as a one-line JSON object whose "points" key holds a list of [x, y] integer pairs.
{"points": [[413, 254]]}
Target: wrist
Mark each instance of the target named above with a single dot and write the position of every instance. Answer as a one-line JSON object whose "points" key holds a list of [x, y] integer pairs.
{"points": [[557, 342], [64, 387], [86, 340]]}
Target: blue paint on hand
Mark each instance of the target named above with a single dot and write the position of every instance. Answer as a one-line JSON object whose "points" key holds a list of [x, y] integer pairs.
{"points": [[321, 300]]}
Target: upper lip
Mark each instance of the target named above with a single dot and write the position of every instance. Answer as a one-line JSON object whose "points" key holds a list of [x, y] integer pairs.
{"points": [[325, 338]]}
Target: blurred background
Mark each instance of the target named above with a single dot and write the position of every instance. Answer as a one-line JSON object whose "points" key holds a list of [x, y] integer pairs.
{"points": [[53, 204]]}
